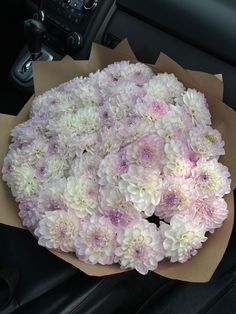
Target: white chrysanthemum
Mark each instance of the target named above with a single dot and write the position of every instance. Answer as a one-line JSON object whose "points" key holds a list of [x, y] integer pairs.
{"points": [[97, 241], [50, 168], [25, 133], [176, 119], [110, 196], [36, 150], [164, 87], [139, 246], [196, 105], [206, 141], [87, 142], [182, 238], [110, 113], [81, 195], [15, 158], [49, 101], [88, 120], [147, 151], [211, 212], [57, 230], [24, 182], [86, 164], [211, 178], [151, 108], [176, 162], [111, 168], [110, 140], [178, 196], [88, 94], [51, 197], [84, 120], [118, 70], [138, 73], [132, 128], [142, 187]]}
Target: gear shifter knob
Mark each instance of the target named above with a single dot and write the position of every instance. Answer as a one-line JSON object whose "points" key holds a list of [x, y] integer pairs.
{"points": [[34, 31]]}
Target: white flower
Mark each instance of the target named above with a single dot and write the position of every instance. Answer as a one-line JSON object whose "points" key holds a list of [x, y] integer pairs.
{"points": [[24, 182], [182, 237], [211, 178], [140, 246], [151, 108], [51, 196], [178, 159], [81, 195], [211, 212], [175, 120], [111, 168], [142, 187], [97, 241], [164, 87], [206, 141], [178, 196], [195, 104], [85, 164], [57, 230]]}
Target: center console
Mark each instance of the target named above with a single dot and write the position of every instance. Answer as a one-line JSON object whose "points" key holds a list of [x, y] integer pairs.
{"points": [[71, 27]]}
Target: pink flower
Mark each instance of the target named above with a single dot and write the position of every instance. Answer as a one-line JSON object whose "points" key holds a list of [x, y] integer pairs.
{"points": [[112, 167], [29, 212], [139, 246], [96, 242], [177, 196], [211, 212], [147, 151], [57, 230]]}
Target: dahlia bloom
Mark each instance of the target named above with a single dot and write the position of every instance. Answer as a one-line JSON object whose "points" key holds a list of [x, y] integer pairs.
{"points": [[96, 241], [141, 186], [57, 230], [139, 246], [182, 237]]}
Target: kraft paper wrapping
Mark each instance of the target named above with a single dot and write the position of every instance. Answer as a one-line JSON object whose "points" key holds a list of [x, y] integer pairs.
{"points": [[199, 268]]}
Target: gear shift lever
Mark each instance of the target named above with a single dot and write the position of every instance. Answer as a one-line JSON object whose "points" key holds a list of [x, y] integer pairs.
{"points": [[34, 31]]}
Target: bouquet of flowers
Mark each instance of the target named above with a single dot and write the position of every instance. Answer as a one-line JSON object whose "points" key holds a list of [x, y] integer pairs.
{"points": [[120, 166]]}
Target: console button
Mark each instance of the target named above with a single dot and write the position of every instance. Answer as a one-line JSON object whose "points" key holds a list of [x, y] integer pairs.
{"points": [[90, 4], [73, 42]]}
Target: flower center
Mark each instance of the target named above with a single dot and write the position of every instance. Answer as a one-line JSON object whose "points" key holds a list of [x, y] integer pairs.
{"points": [[171, 199], [146, 153]]}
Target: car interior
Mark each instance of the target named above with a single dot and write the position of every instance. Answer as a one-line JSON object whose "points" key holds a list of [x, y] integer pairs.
{"points": [[199, 35]]}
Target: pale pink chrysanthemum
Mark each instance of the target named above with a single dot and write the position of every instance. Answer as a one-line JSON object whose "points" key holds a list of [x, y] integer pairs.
{"points": [[139, 246], [177, 196], [196, 105], [211, 178], [164, 86], [211, 212], [96, 241], [151, 108], [147, 151], [29, 212], [81, 195], [138, 73], [180, 159], [206, 141], [51, 196], [142, 187], [182, 237], [133, 127], [58, 230], [118, 69], [112, 167]]}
